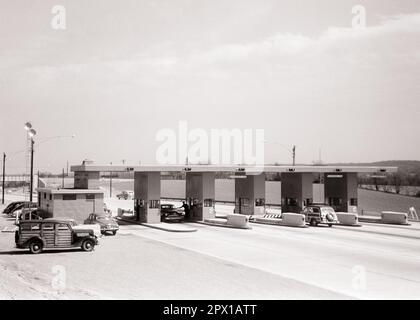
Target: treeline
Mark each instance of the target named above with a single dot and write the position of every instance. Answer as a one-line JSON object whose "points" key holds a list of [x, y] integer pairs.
{"points": [[396, 180]]}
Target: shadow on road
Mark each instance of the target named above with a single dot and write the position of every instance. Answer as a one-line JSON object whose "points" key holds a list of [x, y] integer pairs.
{"points": [[47, 251]]}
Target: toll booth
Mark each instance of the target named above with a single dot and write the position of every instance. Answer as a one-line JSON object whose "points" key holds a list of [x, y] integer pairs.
{"points": [[296, 191], [147, 197], [250, 194], [200, 195], [340, 190]]}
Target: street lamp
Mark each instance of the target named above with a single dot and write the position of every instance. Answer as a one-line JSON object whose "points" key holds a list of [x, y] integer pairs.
{"points": [[31, 134], [291, 151]]}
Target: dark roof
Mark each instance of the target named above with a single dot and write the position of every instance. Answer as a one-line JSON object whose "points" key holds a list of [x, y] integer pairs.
{"points": [[50, 220]]}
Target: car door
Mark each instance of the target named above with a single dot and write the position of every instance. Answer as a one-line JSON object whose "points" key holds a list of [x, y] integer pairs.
{"points": [[63, 235], [48, 234]]}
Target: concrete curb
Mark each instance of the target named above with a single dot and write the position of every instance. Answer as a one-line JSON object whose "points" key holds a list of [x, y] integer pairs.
{"points": [[222, 225], [379, 221], [158, 226]]}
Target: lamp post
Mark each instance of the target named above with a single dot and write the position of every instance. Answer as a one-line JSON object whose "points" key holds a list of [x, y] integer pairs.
{"points": [[291, 151], [4, 172], [31, 133]]}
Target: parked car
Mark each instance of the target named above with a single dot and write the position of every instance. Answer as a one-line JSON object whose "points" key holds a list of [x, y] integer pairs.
{"points": [[126, 195], [169, 213], [106, 223], [28, 214], [319, 213], [13, 212], [10, 206], [51, 233]]}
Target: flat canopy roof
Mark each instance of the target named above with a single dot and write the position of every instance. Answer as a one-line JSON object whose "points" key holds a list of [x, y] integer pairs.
{"points": [[231, 168], [69, 191]]}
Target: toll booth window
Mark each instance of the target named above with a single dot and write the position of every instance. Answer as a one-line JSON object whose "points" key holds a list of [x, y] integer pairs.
{"points": [[208, 202], [50, 196], [69, 197], [45, 195], [90, 196], [154, 204], [353, 201], [39, 199], [291, 202], [260, 202]]}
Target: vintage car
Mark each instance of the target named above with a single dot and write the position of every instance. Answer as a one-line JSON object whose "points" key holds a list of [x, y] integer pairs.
{"points": [[169, 213], [29, 214], [320, 214], [19, 208], [52, 233], [126, 195], [105, 222], [11, 206]]}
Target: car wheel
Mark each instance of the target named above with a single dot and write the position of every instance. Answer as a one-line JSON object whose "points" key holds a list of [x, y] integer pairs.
{"points": [[114, 232], [35, 247], [88, 245], [313, 223], [330, 225]]}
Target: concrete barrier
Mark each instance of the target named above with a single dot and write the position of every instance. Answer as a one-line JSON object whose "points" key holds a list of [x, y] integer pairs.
{"points": [[394, 217], [347, 218], [293, 219], [237, 220], [288, 220]]}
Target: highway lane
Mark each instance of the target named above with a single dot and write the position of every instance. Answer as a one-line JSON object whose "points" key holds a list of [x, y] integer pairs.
{"points": [[331, 258]]}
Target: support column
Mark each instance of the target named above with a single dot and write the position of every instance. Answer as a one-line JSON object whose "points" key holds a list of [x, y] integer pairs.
{"points": [[200, 195], [250, 194], [86, 180], [341, 191], [296, 191], [147, 196]]}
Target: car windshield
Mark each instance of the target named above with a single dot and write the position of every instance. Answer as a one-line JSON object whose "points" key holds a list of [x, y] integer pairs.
{"points": [[103, 218], [327, 210]]}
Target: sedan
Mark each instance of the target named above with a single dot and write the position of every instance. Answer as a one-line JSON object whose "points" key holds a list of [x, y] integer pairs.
{"points": [[106, 223], [169, 213]]}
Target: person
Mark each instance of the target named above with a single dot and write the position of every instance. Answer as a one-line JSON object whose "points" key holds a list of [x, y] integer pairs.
{"points": [[412, 213], [186, 210]]}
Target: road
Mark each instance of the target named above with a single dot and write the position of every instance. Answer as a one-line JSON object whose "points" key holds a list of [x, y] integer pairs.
{"points": [[266, 262]]}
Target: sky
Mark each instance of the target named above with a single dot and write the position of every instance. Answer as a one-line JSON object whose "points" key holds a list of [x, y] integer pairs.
{"points": [[121, 71]]}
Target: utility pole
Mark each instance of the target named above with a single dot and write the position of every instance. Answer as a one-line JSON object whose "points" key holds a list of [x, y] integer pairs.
{"points": [[67, 168], [294, 154], [4, 169], [32, 169], [110, 183], [62, 180]]}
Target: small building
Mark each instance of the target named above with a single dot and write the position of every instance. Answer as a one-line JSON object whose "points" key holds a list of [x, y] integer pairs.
{"points": [[76, 204]]}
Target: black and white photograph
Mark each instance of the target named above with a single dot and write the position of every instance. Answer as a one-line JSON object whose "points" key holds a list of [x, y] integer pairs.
{"points": [[201, 151]]}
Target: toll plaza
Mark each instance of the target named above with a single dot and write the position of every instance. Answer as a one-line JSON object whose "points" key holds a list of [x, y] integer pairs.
{"points": [[340, 186]]}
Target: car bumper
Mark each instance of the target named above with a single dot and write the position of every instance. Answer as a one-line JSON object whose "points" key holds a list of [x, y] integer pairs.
{"points": [[109, 229]]}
